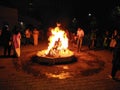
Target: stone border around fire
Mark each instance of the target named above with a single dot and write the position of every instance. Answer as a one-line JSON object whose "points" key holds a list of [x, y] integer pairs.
{"points": [[53, 61]]}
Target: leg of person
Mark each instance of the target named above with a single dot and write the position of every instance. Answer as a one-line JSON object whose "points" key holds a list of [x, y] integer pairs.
{"points": [[114, 71], [78, 45], [26, 41], [9, 50], [5, 50], [89, 44], [17, 52]]}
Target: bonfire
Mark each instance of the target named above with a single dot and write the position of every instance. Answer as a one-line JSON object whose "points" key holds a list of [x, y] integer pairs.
{"points": [[57, 46]]}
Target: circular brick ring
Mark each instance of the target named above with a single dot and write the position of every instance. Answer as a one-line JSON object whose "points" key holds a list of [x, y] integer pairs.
{"points": [[53, 60]]}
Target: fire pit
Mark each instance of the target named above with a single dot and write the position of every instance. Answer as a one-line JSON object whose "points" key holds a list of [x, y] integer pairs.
{"points": [[51, 60], [57, 51]]}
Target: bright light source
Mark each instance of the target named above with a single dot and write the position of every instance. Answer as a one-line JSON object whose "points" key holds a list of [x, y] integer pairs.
{"points": [[21, 23], [89, 14]]}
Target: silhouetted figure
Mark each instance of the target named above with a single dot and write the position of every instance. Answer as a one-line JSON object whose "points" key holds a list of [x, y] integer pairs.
{"points": [[106, 40], [0, 37], [35, 36], [74, 40], [6, 40], [116, 58], [28, 36], [92, 43]]}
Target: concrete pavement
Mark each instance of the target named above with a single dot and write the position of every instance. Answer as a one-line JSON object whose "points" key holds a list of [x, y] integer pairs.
{"points": [[90, 72]]}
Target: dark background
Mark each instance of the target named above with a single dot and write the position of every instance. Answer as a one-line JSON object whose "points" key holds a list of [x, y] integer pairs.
{"points": [[49, 11]]}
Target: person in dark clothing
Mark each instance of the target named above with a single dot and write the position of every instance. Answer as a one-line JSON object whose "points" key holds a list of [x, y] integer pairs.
{"points": [[116, 58], [0, 37], [7, 40], [113, 39], [106, 40]]}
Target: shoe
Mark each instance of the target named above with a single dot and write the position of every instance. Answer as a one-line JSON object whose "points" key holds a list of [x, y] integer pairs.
{"points": [[111, 77]]}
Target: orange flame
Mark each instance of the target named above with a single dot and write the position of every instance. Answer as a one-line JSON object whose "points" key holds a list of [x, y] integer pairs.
{"points": [[56, 35]]}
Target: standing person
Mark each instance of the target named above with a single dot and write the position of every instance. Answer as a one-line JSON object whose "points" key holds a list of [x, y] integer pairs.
{"points": [[106, 40], [80, 35], [35, 36], [116, 59], [6, 39], [93, 36], [28, 35], [58, 25], [16, 42], [113, 39], [0, 36], [73, 39]]}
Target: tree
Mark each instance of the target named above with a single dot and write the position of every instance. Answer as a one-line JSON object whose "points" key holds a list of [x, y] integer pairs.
{"points": [[116, 16]]}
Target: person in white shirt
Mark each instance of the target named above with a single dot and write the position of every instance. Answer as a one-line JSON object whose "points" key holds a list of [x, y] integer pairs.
{"points": [[80, 35]]}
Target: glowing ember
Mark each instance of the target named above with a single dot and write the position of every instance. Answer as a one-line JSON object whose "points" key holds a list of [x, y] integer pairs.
{"points": [[58, 44]]}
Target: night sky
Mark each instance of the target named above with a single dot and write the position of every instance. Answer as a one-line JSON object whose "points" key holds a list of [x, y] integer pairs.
{"points": [[48, 10]]}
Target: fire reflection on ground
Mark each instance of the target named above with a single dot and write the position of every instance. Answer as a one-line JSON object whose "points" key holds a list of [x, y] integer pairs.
{"points": [[62, 75]]}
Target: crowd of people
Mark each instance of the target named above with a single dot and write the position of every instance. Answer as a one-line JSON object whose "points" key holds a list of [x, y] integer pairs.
{"points": [[109, 40], [79, 37], [11, 39]]}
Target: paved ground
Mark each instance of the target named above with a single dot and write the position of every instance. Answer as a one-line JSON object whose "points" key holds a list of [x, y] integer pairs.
{"points": [[89, 72]]}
